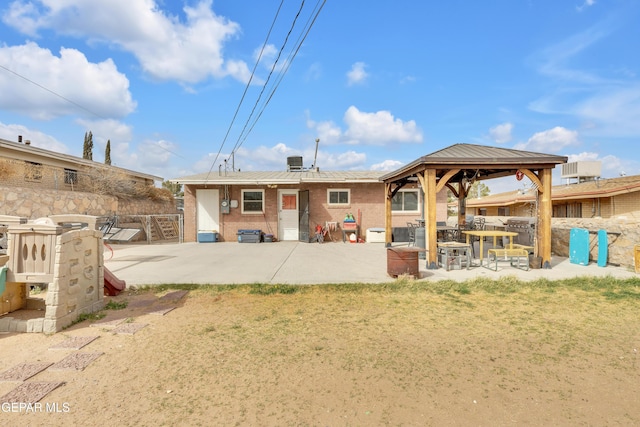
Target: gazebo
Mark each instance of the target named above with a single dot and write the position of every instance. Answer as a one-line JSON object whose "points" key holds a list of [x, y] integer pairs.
{"points": [[457, 167]]}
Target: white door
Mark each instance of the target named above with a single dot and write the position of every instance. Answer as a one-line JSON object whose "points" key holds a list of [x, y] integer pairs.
{"points": [[288, 214], [208, 210]]}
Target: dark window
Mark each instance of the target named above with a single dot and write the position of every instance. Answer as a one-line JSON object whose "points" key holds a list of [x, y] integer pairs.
{"points": [[32, 171], [70, 176], [252, 201], [405, 201], [338, 197]]}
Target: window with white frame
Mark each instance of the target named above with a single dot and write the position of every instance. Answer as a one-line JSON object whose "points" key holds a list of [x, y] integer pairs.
{"points": [[336, 196], [252, 201], [406, 201]]}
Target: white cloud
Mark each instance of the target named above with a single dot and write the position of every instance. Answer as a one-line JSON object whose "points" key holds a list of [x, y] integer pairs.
{"points": [[357, 74], [379, 128], [52, 86], [168, 48], [587, 3], [10, 132], [501, 133], [550, 141], [387, 165], [264, 158]]}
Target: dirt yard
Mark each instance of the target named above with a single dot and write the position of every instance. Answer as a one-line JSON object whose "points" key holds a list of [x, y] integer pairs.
{"points": [[351, 356]]}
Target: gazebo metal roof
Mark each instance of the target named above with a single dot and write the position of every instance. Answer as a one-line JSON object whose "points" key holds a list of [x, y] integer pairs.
{"points": [[485, 162], [457, 167]]}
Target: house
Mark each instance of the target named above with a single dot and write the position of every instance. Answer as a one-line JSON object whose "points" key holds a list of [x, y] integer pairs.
{"points": [[27, 166], [36, 183], [289, 204], [604, 198]]}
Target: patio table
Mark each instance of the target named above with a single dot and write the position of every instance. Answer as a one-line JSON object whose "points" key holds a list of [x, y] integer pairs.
{"points": [[489, 233]]}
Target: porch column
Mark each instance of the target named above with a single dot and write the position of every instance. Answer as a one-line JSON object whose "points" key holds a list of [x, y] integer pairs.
{"points": [[545, 211], [387, 214], [428, 182]]}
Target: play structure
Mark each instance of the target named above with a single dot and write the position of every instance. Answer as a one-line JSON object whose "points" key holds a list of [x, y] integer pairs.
{"points": [[63, 255]]}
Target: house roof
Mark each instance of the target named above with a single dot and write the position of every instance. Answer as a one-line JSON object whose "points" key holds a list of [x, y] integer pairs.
{"points": [[493, 162], [24, 150], [281, 177], [585, 190]]}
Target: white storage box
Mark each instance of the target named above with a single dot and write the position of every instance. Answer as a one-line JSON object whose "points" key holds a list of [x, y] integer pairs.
{"points": [[375, 235]]}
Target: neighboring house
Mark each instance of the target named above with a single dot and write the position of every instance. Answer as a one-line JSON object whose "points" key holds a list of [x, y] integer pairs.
{"points": [[290, 204], [23, 165], [603, 198]]}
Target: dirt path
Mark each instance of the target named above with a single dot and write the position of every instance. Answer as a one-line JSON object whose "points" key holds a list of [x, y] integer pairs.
{"points": [[321, 357]]}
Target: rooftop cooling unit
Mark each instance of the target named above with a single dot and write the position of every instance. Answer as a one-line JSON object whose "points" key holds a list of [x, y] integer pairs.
{"points": [[583, 171], [294, 163]]}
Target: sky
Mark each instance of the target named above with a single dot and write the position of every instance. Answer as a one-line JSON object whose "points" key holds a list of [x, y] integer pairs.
{"points": [[181, 87]]}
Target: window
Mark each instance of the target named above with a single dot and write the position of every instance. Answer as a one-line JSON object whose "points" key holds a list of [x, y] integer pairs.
{"points": [[504, 211], [569, 210], [70, 176], [32, 171], [338, 197], [405, 201], [253, 201]]}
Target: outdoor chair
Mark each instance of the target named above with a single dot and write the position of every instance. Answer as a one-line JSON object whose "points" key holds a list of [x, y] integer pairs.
{"points": [[411, 228]]}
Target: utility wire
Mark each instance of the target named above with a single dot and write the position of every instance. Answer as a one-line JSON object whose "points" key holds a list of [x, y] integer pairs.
{"points": [[273, 67], [301, 40], [246, 88], [71, 102], [52, 92]]}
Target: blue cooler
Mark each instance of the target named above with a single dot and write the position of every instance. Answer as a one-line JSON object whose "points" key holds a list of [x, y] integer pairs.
{"points": [[249, 236]]}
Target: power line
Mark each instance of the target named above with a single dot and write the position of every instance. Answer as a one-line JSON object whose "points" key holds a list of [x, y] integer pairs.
{"points": [[246, 88], [52, 92], [288, 64], [248, 128], [273, 67], [73, 102]]}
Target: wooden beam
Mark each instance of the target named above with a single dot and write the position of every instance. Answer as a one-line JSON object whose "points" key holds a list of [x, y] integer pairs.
{"points": [[534, 178], [453, 189], [545, 211], [387, 214], [429, 208], [445, 179]]}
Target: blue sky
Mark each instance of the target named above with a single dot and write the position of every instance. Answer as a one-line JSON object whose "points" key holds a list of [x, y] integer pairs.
{"points": [[378, 83]]}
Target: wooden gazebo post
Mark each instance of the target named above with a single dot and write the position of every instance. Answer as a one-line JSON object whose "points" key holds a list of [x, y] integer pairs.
{"points": [[545, 211], [427, 180], [387, 214]]}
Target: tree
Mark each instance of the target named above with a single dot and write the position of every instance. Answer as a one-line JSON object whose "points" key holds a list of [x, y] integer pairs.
{"points": [[175, 188], [477, 190], [107, 153], [87, 150]]}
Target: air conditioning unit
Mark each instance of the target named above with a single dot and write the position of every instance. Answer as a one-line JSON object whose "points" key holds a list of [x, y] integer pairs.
{"points": [[294, 163], [583, 171]]}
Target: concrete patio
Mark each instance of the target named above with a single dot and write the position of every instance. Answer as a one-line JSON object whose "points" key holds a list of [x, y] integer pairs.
{"points": [[301, 263]]}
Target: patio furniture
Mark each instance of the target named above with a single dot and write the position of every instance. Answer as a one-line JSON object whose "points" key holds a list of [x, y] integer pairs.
{"points": [[411, 227], [517, 257], [488, 233], [452, 255]]}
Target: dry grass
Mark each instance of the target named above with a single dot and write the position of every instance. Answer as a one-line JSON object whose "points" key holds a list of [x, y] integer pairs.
{"points": [[116, 183], [403, 353], [7, 169]]}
